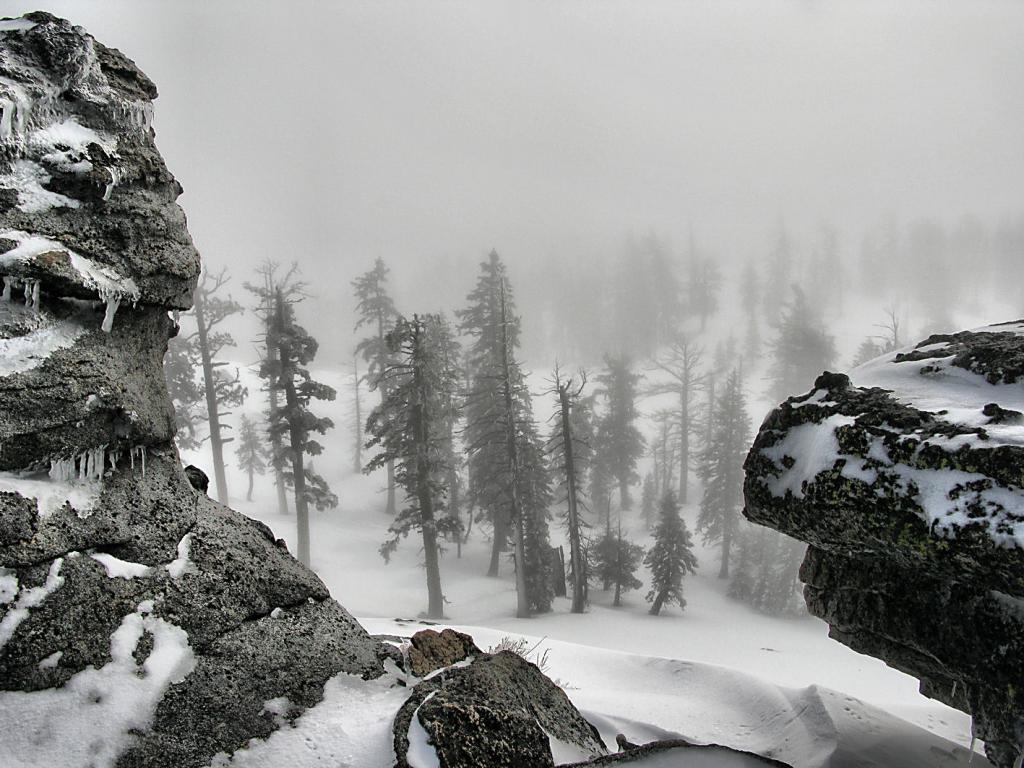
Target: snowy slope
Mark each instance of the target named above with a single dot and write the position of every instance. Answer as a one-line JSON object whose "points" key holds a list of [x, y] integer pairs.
{"points": [[755, 674], [643, 697]]}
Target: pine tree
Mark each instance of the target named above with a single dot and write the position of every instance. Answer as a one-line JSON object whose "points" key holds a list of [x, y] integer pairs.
{"points": [[207, 399], [749, 292], [412, 427], [508, 479], [778, 275], [801, 351], [671, 557], [252, 452], [648, 500], [376, 311], [288, 373], [704, 284], [564, 447], [485, 430], [181, 364], [616, 562], [721, 470], [617, 438], [766, 572], [271, 280], [682, 361]]}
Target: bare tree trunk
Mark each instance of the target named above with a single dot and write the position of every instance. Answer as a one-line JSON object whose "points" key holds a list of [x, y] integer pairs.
{"points": [[248, 494], [210, 385], [421, 429], [684, 441], [575, 552], [276, 447], [522, 601], [656, 607], [618, 568], [287, 382], [723, 572], [392, 506]]}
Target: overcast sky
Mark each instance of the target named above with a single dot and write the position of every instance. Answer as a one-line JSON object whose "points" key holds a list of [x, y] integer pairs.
{"points": [[332, 132]]}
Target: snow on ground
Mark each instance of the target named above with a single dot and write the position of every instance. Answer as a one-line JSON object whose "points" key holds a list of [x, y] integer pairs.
{"points": [[719, 672]]}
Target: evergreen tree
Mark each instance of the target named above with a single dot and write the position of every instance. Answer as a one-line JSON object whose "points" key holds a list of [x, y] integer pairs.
{"points": [[288, 373], [704, 284], [271, 280], [412, 427], [485, 431], [721, 470], [749, 292], [766, 572], [181, 364], [616, 563], [508, 479], [252, 452], [377, 312], [617, 439], [801, 351], [682, 361], [670, 558], [778, 275], [565, 448], [217, 388], [648, 500]]}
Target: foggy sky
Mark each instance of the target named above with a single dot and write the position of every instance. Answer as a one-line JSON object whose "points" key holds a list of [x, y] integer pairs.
{"points": [[333, 132]]}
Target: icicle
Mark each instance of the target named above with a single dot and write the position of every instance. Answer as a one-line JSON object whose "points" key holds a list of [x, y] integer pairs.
{"points": [[27, 290], [131, 457], [8, 282], [35, 294], [142, 458], [113, 302], [115, 177], [113, 460]]}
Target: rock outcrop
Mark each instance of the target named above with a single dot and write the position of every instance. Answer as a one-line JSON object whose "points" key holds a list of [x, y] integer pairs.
{"points": [[141, 624], [906, 478], [498, 711]]}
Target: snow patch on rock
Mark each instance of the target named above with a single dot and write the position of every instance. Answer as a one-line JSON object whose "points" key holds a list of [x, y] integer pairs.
{"points": [[182, 564], [350, 726], [812, 447], [28, 599], [120, 569], [90, 720], [51, 494]]}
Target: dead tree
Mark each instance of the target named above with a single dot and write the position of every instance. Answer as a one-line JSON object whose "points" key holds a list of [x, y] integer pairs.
{"points": [[682, 362]]}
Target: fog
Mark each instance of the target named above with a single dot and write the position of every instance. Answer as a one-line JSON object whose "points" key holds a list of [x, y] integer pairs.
{"points": [[333, 133]]}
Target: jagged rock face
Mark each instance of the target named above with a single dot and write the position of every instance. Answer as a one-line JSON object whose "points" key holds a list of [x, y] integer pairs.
{"points": [[141, 624], [907, 481], [499, 711]]}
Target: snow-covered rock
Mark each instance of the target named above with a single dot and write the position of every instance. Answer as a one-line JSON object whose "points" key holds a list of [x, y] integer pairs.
{"points": [[906, 478], [141, 624]]}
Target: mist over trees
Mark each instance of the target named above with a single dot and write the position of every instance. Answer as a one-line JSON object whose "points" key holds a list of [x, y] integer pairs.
{"points": [[688, 347]]}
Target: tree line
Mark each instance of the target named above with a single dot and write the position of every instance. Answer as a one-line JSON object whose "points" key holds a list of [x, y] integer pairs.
{"points": [[455, 436]]}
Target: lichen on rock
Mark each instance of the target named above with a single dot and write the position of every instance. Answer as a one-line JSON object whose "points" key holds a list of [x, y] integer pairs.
{"points": [[141, 623], [906, 478]]}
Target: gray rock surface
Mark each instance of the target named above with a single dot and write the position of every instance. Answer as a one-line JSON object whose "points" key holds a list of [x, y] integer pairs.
{"points": [[498, 711], [127, 597], [906, 478]]}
